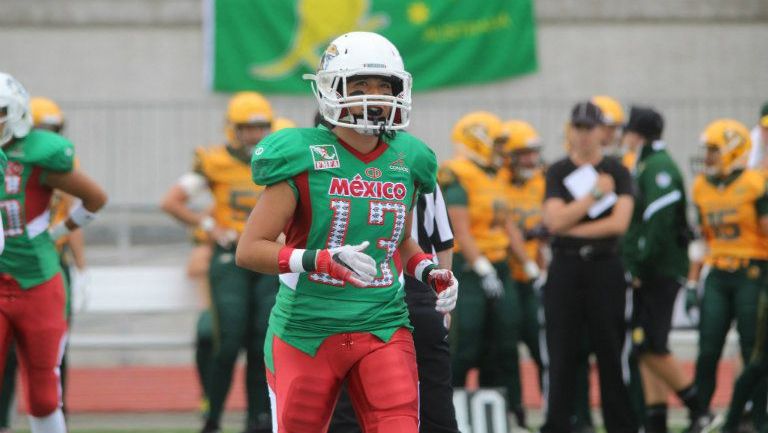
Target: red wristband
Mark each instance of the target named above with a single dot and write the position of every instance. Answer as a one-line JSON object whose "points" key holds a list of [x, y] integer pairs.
{"points": [[284, 260], [414, 261]]}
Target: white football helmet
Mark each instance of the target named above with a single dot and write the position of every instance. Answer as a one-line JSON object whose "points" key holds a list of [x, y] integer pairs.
{"points": [[14, 103], [355, 54]]}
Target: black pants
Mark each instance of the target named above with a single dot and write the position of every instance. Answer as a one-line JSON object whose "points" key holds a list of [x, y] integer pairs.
{"points": [[587, 296], [436, 413]]}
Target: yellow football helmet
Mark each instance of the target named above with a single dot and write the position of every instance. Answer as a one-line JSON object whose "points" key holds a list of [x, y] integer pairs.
{"points": [[732, 139], [476, 132], [520, 135], [247, 108], [45, 113], [611, 108], [282, 123]]}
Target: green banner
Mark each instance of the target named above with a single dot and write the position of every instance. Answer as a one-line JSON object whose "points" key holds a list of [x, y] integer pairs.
{"points": [[266, 45]]}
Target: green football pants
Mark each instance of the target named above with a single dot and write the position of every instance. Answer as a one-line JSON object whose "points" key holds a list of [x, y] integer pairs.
{"points": [[728, 296], [753, 377], [240, 304], [204, 348], [485, 332]]}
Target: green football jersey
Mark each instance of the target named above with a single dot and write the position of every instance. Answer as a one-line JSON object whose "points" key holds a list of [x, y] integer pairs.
{"points": [[343, 197], [3, 165], [30, 255]]}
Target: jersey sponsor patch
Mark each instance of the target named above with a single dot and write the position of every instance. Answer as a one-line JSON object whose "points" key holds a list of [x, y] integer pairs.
{"points": [[325, 156], [373, 172], [399, 164], [663, 179]]}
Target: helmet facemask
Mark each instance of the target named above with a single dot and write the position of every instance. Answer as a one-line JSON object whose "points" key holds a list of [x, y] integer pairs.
{"points": [[522, 171], [356, 55], [248, 135], [331, 89], [713, 161]]}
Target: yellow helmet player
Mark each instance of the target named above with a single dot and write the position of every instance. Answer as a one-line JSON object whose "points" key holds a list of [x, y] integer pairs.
{"points": [[522, 145], [46, 114], [728, 143], [248, 110], [476, 132], [282, 123]]}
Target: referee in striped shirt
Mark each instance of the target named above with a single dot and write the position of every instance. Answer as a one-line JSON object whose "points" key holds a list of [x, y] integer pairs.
{"points": [[432, 230]]}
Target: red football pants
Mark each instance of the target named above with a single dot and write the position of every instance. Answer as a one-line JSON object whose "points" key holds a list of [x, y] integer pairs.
{"points": [[34, 320], [382, 380]]}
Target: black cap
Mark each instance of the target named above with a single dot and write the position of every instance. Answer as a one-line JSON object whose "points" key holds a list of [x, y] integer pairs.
{"points": [[646, 122], [587, 114]]}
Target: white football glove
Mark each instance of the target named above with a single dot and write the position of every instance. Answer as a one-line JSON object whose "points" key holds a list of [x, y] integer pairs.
{"points": [[348, 263], [697, 249], [447, 288], [489, 279], [531, 270], [80, 283], [539, 282]]}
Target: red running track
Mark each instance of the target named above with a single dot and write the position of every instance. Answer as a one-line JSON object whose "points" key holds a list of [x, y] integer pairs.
{"points": [[162, 389]]}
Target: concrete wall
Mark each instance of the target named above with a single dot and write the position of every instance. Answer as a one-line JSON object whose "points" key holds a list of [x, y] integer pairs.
{"points": [[129, 75]]}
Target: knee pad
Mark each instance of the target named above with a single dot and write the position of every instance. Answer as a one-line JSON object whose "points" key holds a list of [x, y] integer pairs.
{"points": [[42, 392], [389, 380], [308, 404], [43, 402]]}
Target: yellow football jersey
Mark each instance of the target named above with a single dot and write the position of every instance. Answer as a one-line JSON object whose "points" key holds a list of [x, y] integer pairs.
{"points": [[524, 202], [229, 178], [486, 194], [729, 219]]}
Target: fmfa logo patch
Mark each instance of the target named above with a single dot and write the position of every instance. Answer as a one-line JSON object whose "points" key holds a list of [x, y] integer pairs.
{"points": [[325, 156]]}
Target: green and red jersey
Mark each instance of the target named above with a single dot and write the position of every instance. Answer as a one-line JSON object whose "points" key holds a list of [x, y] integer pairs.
{"points": [[30, 255], [3, 165], [343, 197]]}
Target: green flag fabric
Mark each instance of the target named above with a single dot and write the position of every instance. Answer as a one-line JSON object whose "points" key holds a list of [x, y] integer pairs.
{"points": [[266, 45]]}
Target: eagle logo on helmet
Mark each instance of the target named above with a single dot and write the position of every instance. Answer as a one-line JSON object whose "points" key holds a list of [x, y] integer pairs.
{"points": [[330, 53], [732, 139]]}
